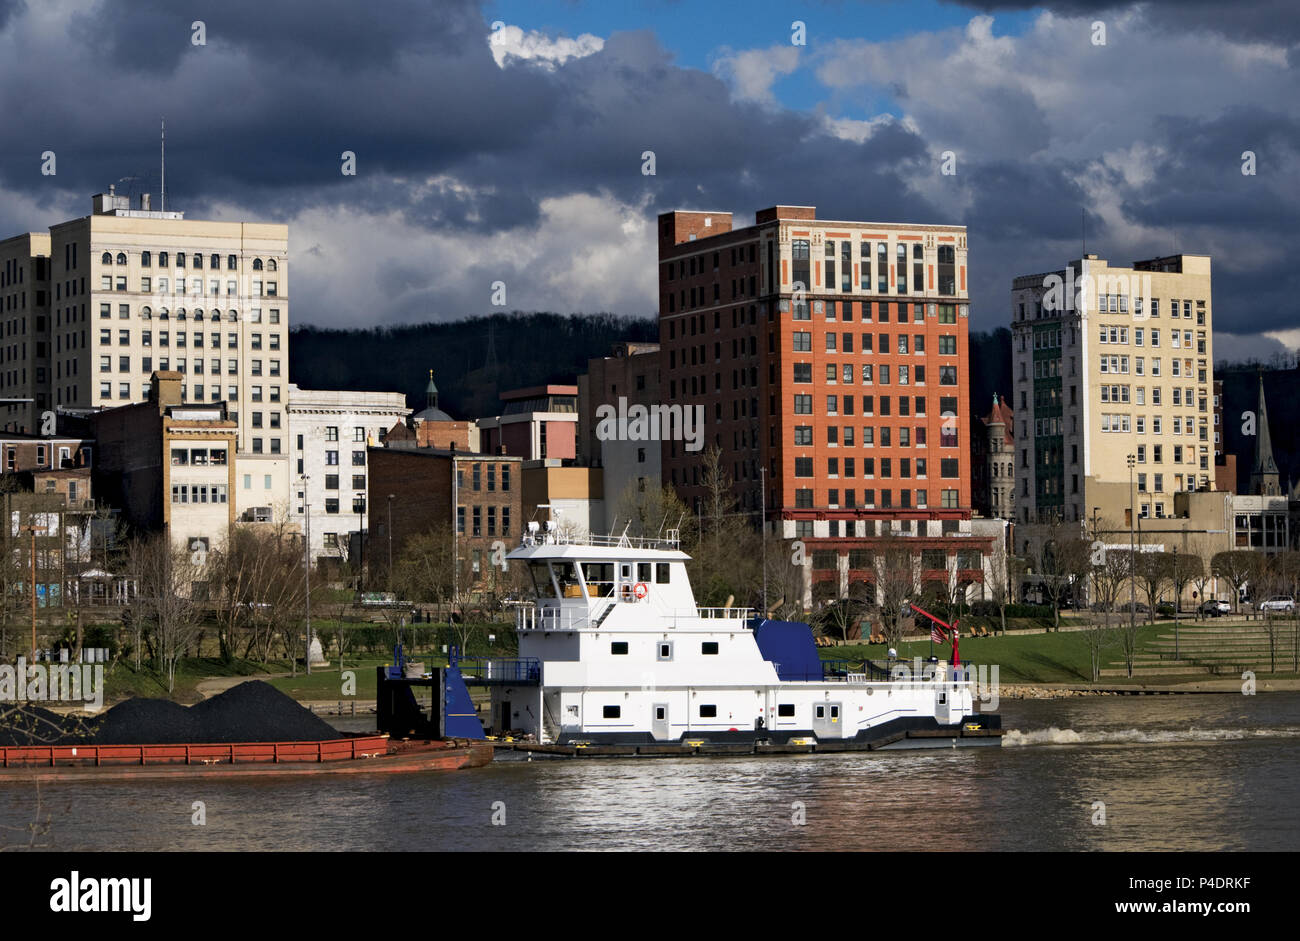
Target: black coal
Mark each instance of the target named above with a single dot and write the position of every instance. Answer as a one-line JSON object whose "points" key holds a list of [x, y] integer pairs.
{"points": [[248, 712]]}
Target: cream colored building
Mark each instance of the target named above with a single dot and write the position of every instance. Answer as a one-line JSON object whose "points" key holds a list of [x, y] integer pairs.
{"points": [[101, 302], [1111, 362]]}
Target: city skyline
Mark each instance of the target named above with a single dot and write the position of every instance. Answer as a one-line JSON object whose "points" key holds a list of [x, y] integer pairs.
{"points": [[565, 101]]}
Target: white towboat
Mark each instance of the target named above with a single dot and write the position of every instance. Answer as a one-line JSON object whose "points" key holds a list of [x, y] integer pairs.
{"points": [[615, 651]]}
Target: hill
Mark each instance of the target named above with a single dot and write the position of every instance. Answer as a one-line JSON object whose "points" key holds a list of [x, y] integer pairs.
{"points": [[530, 349]]}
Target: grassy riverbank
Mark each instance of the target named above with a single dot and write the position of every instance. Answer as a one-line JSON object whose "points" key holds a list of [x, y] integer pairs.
{"points": [[1057, 657]]}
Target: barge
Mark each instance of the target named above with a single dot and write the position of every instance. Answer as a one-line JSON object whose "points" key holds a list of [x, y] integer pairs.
{"points": [[369, 754]]}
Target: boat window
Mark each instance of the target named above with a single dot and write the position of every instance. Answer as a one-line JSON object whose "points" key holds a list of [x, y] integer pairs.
{"points": [[600, 578], [708, 712], [665, 650], [566, 573], [618, 648], [709, 647], [613, 712], [643, 571], [785, 709], [541, 575], [625, 570], [661, 573], [660, 713], [821, 712]]}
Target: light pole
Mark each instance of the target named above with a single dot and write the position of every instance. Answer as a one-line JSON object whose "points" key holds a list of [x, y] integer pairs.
{"points": [[1132, 550], [1176, 599], [33, 529], [306, 568], [361, 542], [762, 478], [390, 539]]}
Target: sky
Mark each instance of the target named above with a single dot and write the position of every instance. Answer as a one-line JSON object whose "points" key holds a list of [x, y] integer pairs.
{"points": [[503, 141]]}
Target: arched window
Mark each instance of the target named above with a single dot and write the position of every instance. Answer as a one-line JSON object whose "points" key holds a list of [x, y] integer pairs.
{"points": [[121, 258], [162, 259], [180, 259], [215, 316], [232, 262], [198, 260], [146, 313], [214, 262], [271, 265], [232, 316], [162, 313], [106, 258], [180, 313], [146, 259], [257, 264], [198, 315]]}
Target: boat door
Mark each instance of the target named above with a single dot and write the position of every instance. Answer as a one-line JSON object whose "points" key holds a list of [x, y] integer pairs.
{"points": [[827, 720], [941, 695], [659, 727]]}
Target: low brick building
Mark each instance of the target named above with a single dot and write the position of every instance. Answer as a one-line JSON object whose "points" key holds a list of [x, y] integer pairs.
{"points": [[414, 489]]}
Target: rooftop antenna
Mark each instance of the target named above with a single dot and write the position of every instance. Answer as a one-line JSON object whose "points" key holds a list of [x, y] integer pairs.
{"points": [[1083, 227], [162, 186]]}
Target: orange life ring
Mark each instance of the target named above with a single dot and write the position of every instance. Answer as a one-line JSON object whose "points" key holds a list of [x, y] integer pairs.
{"points": [[641, 590]]}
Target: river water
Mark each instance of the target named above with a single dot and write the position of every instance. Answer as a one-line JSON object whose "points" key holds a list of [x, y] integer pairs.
{"points": [[1197, 772]]}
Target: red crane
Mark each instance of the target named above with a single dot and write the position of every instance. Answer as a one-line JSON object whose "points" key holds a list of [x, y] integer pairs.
{"points": [[944, 628]]}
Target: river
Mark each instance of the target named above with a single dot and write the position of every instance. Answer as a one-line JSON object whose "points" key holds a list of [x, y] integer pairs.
{"points": [[1192, 772]]}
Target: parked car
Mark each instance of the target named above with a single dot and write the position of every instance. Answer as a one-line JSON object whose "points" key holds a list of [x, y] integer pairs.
{"points": [[1137, 607], [1280, 604], [1215, 608]]}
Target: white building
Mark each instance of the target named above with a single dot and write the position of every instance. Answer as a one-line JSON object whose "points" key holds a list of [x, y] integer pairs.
{"points": [[328, 436]]}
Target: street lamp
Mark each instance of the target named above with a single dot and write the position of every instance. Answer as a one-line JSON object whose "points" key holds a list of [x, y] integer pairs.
{"points": [[390, 538], [306, 569], [1132, 549], [33, 529]]}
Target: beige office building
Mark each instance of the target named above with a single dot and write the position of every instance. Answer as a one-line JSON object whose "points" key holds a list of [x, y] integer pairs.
{"points": [[1111, 362], [93, 308]]}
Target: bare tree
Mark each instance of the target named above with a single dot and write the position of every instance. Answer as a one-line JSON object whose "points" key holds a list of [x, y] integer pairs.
{"points": [[896, 576], [1234, 567], [166, 611], [1111, 570]]}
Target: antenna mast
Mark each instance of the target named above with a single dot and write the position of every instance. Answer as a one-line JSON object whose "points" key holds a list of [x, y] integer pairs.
{"points": [[162, 195]]}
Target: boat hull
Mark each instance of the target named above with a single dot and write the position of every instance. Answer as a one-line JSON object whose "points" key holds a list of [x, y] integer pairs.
{"points": [[373, 755]]}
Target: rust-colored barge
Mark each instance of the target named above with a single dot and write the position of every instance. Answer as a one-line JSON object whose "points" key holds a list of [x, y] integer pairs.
{"points": [[371, 754]]}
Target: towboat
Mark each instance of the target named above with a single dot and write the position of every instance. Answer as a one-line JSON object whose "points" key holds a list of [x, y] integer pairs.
{"points": [[615, 655]]}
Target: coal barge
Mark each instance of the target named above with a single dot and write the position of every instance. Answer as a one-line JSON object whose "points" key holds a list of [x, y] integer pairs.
{"points": [[249, 731]]}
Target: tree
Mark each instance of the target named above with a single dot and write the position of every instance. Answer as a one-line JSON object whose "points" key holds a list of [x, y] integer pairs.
{"points": [[1112, 568], [1234, 567], [1153, 570], [1185, 568], [1061, 558], [165, 611], [1201, 573], [896, 575]]}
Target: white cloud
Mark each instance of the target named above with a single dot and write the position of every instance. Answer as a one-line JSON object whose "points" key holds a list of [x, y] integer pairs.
{"points": [[586, 253], [511, 42], [752, 72]]}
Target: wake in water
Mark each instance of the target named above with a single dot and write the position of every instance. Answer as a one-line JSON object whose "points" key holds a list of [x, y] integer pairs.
{"points": [[1054, 736]]}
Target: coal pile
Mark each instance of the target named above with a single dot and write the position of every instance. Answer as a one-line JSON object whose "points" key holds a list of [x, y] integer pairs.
{"points": [[31, 725], [257, 712], [146, 722], [248, 712]]}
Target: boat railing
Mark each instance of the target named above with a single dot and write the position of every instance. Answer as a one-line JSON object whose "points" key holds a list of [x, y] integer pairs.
{"points": [[560, 538], [500, 670], [552, 618], [724, 614]]}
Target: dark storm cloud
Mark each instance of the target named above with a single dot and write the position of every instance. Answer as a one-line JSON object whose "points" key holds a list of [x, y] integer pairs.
{"points": [[1271, 21], [154, 35]]}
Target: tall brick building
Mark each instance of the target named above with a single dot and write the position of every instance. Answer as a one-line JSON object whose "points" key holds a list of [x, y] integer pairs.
{"points": [[832, 355]]}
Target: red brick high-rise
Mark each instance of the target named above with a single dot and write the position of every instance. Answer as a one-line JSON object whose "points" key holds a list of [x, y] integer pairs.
{"points": [[852, 393]]}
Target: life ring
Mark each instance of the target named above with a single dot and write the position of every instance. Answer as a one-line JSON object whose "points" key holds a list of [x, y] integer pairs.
{"points": [[641, 590]]}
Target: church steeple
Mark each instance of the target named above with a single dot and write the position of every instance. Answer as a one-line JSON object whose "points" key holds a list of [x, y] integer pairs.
{"points": [[1264, 477], [431, 393]]}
